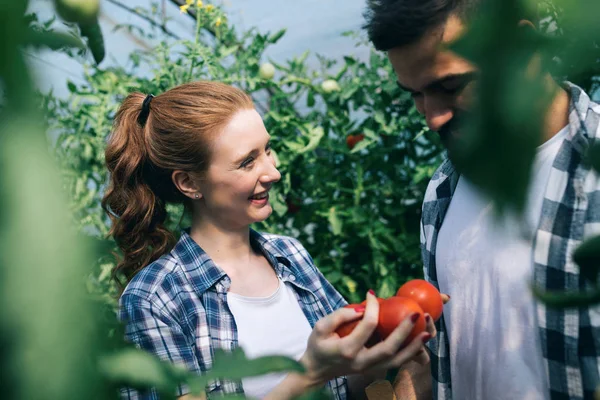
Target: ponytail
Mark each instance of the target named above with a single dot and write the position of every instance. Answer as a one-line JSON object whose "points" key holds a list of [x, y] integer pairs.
{"points": [[136, 212]]}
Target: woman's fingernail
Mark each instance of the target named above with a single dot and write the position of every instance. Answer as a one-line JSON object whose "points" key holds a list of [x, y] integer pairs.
{"points": [[372, 292], [426, 338], [360, 309], [414, 317]]}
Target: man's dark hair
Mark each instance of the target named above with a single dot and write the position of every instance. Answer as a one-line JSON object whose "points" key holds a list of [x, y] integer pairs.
{"points": [[395, 23]]}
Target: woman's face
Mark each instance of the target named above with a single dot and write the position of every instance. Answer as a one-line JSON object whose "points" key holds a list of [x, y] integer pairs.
{"points": [[236, 186]]}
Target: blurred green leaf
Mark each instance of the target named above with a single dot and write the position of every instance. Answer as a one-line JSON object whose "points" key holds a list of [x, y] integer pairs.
{"points": [[139, 369], [587, 256], [274, 38], [315, 135], [593, 157], [566, 299], [316, 394], [55, 339], [363, 144], [53, 40], [499, 139], [93, 33], [334, 221], [236, 365]]}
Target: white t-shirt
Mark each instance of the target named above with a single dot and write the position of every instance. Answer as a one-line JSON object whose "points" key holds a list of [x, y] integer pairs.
{"points": [[266, 326], [485, 265]]}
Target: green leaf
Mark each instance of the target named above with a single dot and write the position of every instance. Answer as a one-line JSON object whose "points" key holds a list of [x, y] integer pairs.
{"points": [[363, 144], [53, 40], [349, 91], [137, 368], [388, 287], [274, 38], [350, 60], [316, 394], [227, 51], [593, 157], [563, 300], [236, 365], [334, 221], [71, 86], [310, 99], [278, 202], [587, 256], [499, 136], [93, 33], [315, 135], [303, 57]]}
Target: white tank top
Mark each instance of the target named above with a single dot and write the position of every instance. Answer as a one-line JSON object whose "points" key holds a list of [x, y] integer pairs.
{"points": [[273, 325]]}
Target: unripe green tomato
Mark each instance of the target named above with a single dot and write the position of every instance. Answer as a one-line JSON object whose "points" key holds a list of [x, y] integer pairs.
{"points": [[84, 11], [266, 71], [330, 85]]}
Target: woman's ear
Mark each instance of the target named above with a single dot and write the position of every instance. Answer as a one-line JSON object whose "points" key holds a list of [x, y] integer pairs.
{"points": [[187, 184]]}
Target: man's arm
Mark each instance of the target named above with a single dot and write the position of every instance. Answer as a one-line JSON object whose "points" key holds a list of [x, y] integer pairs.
{"points": [[413, 382]]}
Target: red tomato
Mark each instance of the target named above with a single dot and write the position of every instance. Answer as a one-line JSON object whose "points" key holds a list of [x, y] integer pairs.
{"points": [[395, 310], [351, 140], [426, 296], [348, 327]]}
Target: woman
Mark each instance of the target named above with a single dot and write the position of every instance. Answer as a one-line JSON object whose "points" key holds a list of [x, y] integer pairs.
{"points": [[222, 284]]}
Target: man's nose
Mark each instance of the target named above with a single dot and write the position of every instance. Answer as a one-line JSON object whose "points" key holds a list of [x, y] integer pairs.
{"points": [[437, 113]]}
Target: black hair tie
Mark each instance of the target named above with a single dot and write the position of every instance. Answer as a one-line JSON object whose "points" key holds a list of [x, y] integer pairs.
{"points": [[143, 117]]}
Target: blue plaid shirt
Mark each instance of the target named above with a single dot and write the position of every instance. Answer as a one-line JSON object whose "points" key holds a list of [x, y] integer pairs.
{"points": [[176, 307], [570, 213]]}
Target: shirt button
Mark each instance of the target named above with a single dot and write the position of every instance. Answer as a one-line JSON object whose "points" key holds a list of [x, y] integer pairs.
{"points": [[292, 278]]}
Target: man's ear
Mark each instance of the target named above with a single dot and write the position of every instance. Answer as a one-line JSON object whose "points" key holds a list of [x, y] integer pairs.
{"points": [[187, 184], [535, 63]]}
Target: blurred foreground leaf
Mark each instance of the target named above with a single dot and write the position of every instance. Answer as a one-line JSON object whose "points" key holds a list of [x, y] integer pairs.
{"points": [[236, 365], [498, 140], [587, 256], [567, 299]]}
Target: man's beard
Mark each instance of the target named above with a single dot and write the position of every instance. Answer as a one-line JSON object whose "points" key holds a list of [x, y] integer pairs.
{"points": [[451, 132]]}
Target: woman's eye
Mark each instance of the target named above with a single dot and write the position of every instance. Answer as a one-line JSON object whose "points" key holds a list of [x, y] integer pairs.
{"points": [[247, 163]]}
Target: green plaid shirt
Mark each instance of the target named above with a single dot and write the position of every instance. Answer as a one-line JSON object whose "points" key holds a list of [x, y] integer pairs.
{"points": [[570, 339]]}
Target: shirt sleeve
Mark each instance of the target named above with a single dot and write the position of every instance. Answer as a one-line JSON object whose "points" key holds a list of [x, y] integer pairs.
{"points": [[152, 330]]}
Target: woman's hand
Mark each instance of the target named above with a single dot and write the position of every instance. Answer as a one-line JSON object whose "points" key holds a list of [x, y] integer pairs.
{"points": [[328, 355]]}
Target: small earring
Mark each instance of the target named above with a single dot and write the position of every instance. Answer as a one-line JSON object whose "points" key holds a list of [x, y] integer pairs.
{"points": [[197, 196]]}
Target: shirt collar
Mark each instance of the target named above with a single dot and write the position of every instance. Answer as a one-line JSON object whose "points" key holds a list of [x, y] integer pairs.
{"points": [[203, 273], [579, 129]]}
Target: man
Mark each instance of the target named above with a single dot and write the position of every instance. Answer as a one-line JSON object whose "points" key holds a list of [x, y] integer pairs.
{"points": [[494, 340]]}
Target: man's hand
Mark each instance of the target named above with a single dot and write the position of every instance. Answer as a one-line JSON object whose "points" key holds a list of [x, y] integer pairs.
{"points": [[413, 381]]}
